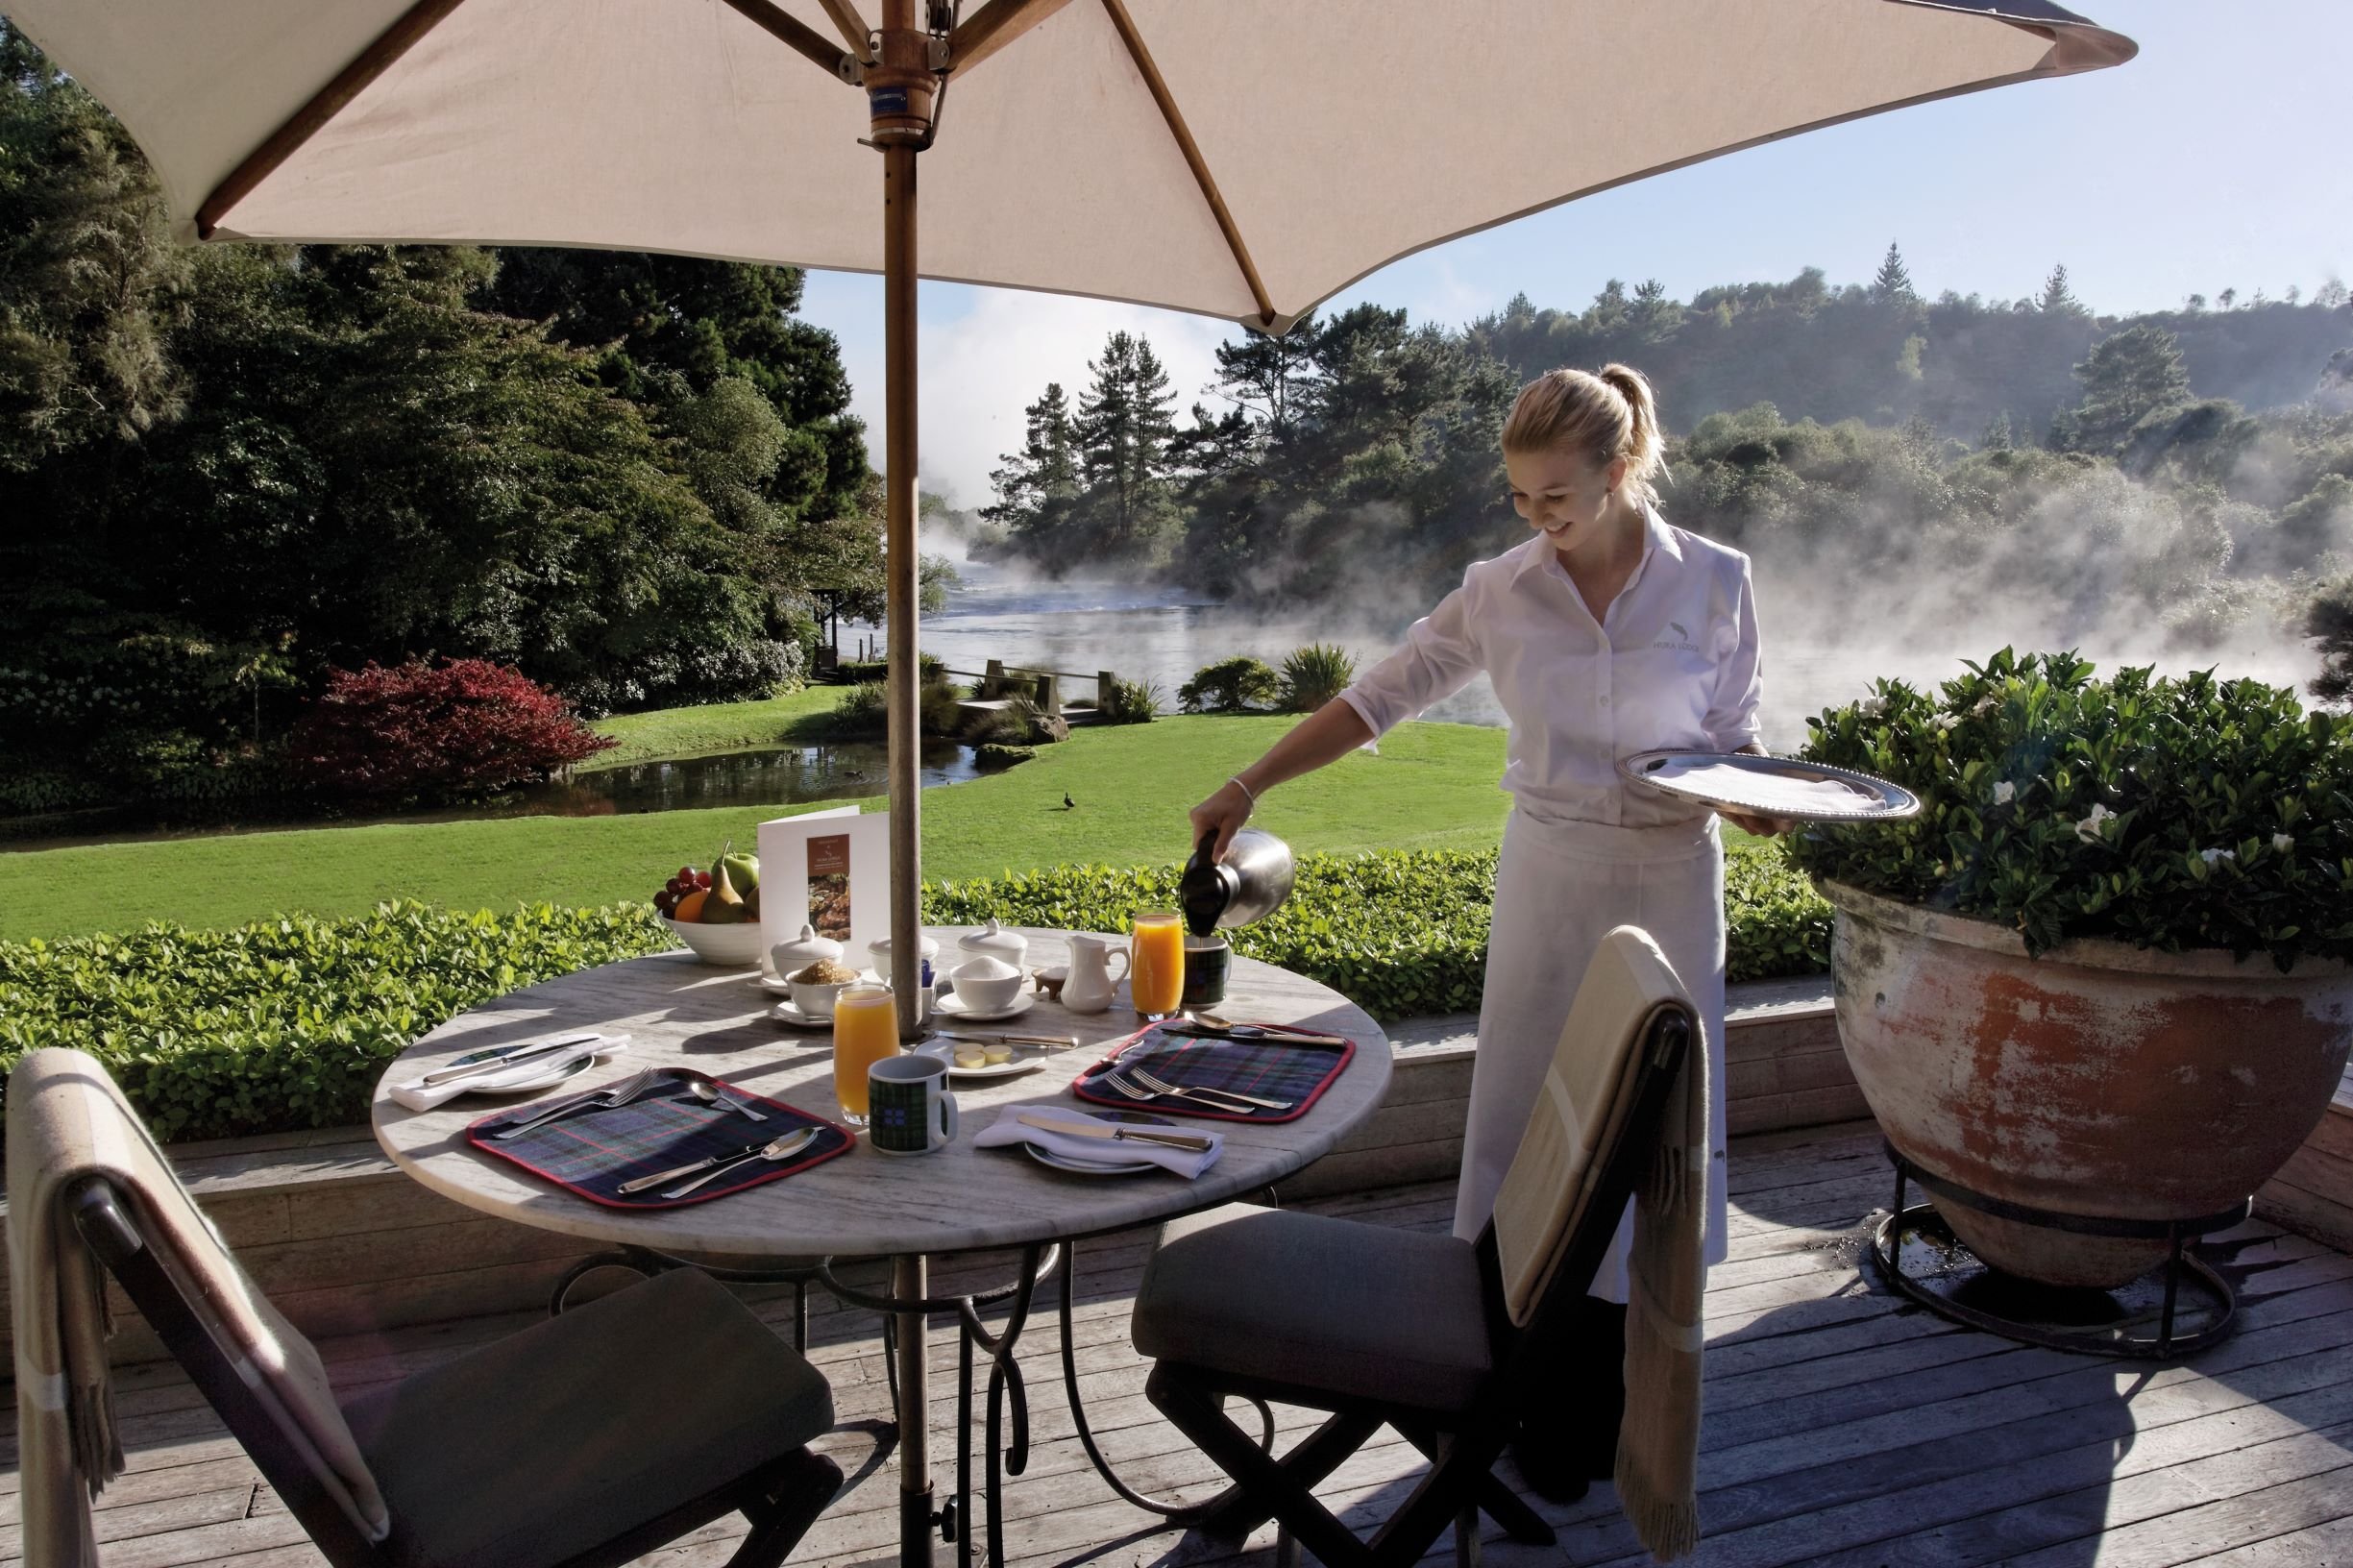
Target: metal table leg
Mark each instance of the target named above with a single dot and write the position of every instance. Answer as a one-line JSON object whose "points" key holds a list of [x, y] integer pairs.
{"points": [[915, 1509]]}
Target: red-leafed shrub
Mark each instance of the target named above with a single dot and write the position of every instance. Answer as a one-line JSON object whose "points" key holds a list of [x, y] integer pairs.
{"points": [[460, 728]]}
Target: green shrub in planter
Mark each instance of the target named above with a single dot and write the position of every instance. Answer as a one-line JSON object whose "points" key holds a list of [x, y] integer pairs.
{"points": [[994, 755], [289, 1023], [2167, 813], [1233, 685], [1315, 675]]}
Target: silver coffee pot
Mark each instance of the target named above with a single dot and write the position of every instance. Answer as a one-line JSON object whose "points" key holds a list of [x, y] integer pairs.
{"points": [[1248, 885]]}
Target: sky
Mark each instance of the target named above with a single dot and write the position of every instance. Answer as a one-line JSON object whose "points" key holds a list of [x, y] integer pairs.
{"points": [[2216, 159]]}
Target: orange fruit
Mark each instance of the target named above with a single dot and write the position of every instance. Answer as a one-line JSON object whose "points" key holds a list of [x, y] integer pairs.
{"points": [[690, 907]]}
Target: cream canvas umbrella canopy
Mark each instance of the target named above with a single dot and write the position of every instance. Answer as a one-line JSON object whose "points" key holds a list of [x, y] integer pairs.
{"points": [[1242, 159]]}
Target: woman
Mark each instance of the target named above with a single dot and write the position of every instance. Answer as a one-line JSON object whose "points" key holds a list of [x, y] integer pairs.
{"points": [[1607, 634]]}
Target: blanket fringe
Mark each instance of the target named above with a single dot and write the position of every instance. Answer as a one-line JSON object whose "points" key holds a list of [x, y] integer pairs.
{"points": [[1668, 1528]]}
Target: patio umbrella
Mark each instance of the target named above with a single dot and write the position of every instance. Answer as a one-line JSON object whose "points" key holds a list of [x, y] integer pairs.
{"points": [[1242, 158]]}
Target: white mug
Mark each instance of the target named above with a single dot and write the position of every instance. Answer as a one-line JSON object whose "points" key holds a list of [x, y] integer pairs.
{"points": [[908, 1108], [1088, 988]]}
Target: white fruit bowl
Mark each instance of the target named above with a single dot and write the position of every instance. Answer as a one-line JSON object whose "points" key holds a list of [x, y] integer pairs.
{"points": [[727, 946]]}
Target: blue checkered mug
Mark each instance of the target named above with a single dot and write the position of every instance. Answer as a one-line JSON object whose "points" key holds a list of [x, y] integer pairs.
{"points": [[909, 1109]]}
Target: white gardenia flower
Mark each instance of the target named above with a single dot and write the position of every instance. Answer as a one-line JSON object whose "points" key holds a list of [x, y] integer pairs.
{"points": [[2282, 842], [2004, 792], [2089, 830], [2210, 856], [1871, 707], [1986, 705], [1947, 722]]}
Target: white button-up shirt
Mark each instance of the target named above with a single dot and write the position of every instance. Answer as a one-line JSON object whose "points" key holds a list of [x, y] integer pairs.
{"points": [[1673, 663]]}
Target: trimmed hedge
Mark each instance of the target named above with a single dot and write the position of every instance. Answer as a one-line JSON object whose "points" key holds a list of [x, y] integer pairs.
{"points": [[1401, 934], [287, 1024]]}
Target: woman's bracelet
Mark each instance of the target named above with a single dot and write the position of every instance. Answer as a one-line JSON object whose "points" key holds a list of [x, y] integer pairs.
{"points": [[1235, 779]]}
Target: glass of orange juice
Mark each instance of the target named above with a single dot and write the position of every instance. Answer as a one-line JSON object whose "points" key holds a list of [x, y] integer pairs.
{"points": [[1156, 963], [865, 1031]]}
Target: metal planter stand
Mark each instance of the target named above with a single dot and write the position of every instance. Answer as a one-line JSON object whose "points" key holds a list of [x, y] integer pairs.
{"points": [[2085, 1321]]}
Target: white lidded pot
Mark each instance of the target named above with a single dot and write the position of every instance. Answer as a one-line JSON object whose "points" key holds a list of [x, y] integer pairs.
{"points": [[789, 958], [994, 941]]}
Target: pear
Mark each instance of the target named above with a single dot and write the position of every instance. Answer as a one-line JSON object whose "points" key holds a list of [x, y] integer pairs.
{"points": [[726, 905]]}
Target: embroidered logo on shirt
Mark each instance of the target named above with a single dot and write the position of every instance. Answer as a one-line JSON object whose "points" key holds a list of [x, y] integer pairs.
{"points": [[1681, 630], [1681, 642]]}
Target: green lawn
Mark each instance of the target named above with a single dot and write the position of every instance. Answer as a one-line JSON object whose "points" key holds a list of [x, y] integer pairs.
{"points": [[1432, 786], [718, 726]]}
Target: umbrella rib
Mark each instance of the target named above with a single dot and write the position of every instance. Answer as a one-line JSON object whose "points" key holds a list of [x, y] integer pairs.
{"points": [[1167, 100], [799, 36], [853, 28], [994, 26], [330, 100]]}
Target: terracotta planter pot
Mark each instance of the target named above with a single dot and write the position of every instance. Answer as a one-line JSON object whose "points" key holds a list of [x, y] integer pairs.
{"points": [[2100, 1079]]}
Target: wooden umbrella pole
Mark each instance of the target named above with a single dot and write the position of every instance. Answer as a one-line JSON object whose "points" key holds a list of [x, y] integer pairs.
{"points": [[900, 578]]}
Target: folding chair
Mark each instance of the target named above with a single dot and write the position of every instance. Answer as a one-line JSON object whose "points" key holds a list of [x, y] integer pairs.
{"points": [[1445, 1340], [584, 1441]]}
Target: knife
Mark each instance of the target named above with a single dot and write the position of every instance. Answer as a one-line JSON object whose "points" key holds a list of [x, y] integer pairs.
{"points": [[1064, 1040], [1278, 1035], [1080, 1127], [498, 1061], [805, 1136]]}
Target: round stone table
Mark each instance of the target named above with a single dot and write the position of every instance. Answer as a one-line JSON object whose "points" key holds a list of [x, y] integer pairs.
{"points": [[678, 1012]]}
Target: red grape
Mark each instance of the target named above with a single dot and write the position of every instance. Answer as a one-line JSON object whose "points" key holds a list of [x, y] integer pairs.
{"points": [[686, 876], [702, 879], [665, 901]]}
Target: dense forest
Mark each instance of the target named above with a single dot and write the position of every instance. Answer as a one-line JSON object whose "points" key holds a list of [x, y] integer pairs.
{"points": [[2182, 471], [226, 470]]}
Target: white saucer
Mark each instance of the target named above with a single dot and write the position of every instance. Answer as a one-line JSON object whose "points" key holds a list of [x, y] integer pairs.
{"points": [[945, 1051], [788, 1013], [956, 1010]]}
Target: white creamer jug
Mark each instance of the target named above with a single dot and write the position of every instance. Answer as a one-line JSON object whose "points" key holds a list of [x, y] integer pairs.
{"points": [[1088, 988]]}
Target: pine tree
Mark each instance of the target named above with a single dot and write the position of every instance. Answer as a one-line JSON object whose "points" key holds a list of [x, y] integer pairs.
{"points": [[2128, 377], [1269, 376], [1893, 282], [2058, 300], [1125, 422], [1037, 485]]}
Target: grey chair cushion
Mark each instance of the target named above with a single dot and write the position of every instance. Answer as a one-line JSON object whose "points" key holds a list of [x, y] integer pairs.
{"points": [[541, 1446], [1364, 1310]]}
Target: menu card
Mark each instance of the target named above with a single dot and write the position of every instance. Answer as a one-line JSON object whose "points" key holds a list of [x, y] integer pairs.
{"points": [[829, 870]]}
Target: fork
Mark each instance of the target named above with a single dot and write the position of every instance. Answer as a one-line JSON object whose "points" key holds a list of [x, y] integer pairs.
{"points": [[1135, 1092], [1149, 1081], [603, 1100]]}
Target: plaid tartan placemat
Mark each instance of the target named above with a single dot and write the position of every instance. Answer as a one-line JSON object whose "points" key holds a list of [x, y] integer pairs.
{"points": [[593, 1153], [1271, 1070]]}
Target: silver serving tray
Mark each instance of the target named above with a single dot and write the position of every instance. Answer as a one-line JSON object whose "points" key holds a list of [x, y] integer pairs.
{"points": [[1779, 787]]}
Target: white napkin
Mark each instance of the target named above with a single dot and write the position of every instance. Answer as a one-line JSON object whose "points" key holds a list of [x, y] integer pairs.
{"points": [[419, 1095], [1007, 1129]]}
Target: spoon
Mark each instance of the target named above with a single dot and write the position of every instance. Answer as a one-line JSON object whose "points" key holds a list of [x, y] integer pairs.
{"points": [[708, 1095], [783, 1148]]}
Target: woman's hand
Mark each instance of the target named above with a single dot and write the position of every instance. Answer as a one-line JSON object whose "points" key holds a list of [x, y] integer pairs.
{"points": [[1764, 827], [1222, 813]]}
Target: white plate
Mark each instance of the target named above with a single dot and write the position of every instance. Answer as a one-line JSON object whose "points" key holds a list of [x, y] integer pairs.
{"points": [[945, 1051], [786, 1012], [1088, 1167], [560, 1068], [1782, 787]]}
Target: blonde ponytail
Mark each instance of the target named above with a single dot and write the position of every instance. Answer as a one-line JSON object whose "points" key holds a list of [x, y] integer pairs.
{"points": [[1609, 416]]}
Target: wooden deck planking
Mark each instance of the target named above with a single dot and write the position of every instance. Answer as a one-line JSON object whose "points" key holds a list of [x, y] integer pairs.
{"points": [[1845, 1426]]}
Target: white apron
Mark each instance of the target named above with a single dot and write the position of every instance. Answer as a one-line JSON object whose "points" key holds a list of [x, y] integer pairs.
{"points": [[1561, 887]]}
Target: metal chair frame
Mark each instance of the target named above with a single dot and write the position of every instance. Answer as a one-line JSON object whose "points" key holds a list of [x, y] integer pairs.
{"points": [[1463, 1445], [782, 1497]]}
